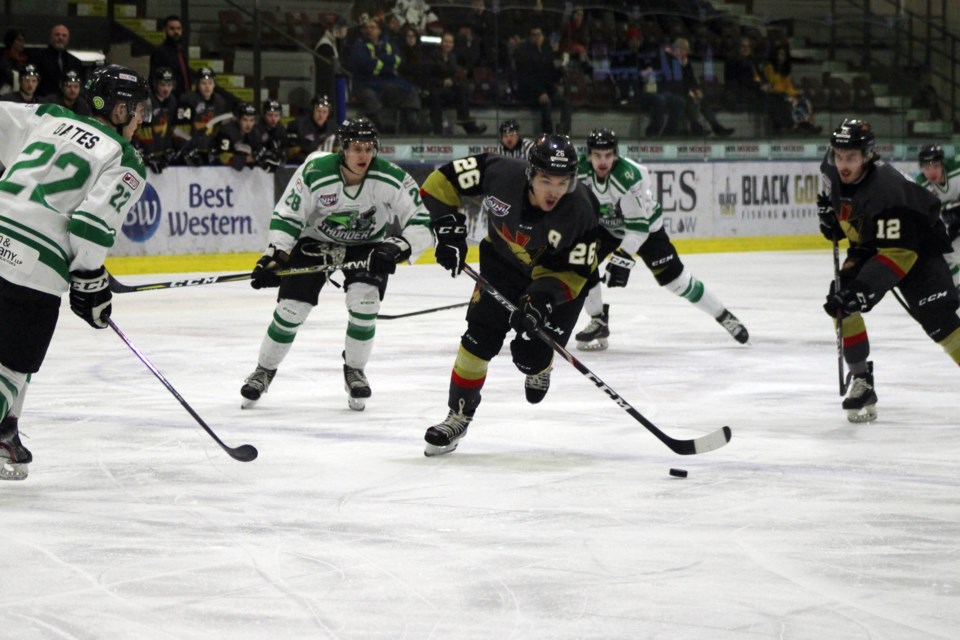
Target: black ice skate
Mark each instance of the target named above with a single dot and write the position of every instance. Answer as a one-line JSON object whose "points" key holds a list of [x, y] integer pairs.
{"points": [[443, 438], [14, 457], [536, 386], [861, 404], [256, 385], [356, 385], [730, 322], [594, 337]]}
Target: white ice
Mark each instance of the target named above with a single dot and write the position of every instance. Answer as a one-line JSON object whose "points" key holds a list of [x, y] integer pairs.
{"points": [[551, 521]]}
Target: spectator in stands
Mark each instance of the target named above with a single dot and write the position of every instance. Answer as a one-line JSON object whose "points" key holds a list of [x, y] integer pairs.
{"points": [[69, 95], [155, 139], [202, 111], [747, 88], [173, 54], [469, 52], [13, 57], [273, 137], [237, 144], [311, 131], [447, 85], [413, 56], [511, 143], [329, 66], [575, 40], [520, 19], [483, 32], [632, 70], [680, 79], [55, 61], [536, 76], [777, 73], [27, 93], [416, 13], [376, 83]]}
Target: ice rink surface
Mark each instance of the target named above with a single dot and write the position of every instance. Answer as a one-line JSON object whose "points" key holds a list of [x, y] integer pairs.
{"points": [[550, 521]]}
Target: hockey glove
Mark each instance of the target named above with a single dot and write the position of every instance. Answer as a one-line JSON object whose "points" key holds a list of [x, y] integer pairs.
{"points": [[451, 249], [829, 225], [950, 213], [386, 255], [618, 268], [156, 162], [90, 296], [265, 272], [533, 310], [850, 299]]}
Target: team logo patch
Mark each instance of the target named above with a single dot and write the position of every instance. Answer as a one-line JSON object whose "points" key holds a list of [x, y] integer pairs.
{"points": [[329, 199], [98, 103], [298, 186], [496, 207], [131, 181]]}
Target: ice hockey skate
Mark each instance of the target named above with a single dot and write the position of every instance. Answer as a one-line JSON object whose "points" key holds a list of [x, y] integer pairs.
{"points": [[730, 322], [256, 385], [594, 336], [14, 457], [536, 386], [357, 387], [443, 438], [861, 403]]}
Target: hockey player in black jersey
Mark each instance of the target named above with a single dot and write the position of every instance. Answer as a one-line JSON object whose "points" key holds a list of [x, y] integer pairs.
{"points": [[540, 250], [238, 142], [896, 240]]}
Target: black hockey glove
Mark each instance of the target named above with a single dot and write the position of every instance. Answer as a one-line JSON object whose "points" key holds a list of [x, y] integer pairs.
{"points": [[386, 255], [950, 213], [618, 268], [829, 225], [451, 249], [265, 272], [533, 310], [156, 162], [90, 296], [850, 299]]}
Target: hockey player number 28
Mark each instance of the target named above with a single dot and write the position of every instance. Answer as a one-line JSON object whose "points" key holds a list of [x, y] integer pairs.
{"points": [[44, 152]]}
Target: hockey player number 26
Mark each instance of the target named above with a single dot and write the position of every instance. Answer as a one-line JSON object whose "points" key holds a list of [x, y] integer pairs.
{"points": [[467, 173], [44, 152], [888, 229]]}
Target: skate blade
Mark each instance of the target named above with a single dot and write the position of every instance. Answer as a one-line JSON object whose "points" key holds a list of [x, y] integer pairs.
{"points": [[13, 471], [431, 450], [867, 414], [248, 403], [595, 345], [357, 404]]}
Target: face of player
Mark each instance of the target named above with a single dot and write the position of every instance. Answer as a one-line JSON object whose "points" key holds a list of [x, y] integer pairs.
{"points": [[247, 122], [510, 139], [320, 114], [933, 172], [546, 190], [205, 87], [120, 116], [358, 156], [28, 85], [71, 90], [272, 118], [850, 164], [602, 161]]}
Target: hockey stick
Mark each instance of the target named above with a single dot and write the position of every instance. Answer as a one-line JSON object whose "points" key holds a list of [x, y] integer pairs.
{"points": [[386, 316], [243, 453], [844, 380], [118, 287], [709, 442]]}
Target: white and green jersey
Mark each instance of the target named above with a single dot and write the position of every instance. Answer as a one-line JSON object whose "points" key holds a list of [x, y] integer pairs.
{"points": [[628, 208], [317, 204], [950, 190], [69, 184]]}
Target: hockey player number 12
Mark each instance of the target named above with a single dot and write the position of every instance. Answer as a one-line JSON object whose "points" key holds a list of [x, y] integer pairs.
{"points": [[888, 229]]}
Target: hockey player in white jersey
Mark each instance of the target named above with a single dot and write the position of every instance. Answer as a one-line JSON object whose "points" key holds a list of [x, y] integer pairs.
{"points": [[337, 208], [941, 177], [634, 225], [69, 184]]}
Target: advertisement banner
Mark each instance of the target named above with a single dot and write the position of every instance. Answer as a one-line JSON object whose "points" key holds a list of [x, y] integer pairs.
{"points": [[765, 198], [193, 210]]}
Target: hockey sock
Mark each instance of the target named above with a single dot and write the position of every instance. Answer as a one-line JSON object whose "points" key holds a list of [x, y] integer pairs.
{"points": [[363, 305], [287, 318], [856, 344], [687, 286], [466, 381], [12, 384], [951, 344], [593, 305]]}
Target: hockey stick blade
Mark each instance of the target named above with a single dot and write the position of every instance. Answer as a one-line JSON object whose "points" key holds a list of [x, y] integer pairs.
{"points": [[703, 444], [243, 453], [386, 316], [118, 287]]}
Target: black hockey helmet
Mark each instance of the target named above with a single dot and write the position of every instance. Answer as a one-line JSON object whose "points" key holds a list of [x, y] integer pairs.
{"points": [[553, 155], [70, 77], [320, 101], [29, 70], [164, 74], [244, 109], [272, 105], [206, 72], [930, 153], [603, 139], [853, 134], [357, 130], [509, 126], [114, 84]]}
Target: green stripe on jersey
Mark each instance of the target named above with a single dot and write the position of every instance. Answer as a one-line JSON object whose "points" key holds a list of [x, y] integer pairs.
{"points": [[91, 228], [55, 259], [381, 165], [382, 177]]}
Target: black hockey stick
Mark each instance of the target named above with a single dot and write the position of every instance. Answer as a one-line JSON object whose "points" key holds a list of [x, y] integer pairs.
{"points": [[843, 379], [118, 287], [386, 316], [243, 453], [709, 442]]}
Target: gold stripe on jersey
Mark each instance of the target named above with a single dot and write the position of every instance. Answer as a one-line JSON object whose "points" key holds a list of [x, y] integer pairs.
{"points": [[437, 186], [951, 344], [572, 282], [898, 259]]}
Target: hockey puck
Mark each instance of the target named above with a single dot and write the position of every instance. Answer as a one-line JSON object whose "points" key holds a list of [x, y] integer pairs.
{"points": [[678, 473]]}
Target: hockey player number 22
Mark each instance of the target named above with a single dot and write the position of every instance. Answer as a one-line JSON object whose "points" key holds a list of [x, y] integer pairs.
{"points": [[44, 152]]}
